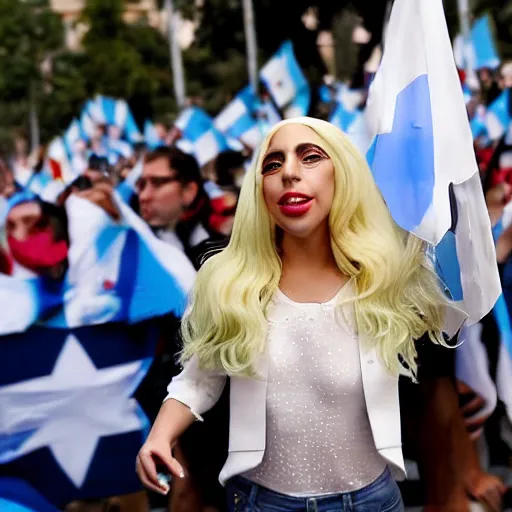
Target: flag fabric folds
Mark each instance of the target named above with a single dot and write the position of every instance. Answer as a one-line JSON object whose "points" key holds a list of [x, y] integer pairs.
{"points": [[200, 136], [486, 55], [422, 154], [68, 407], [76, 350], [286, 82], [17, 496], [118, 272], [237, 119], [498, 117]]}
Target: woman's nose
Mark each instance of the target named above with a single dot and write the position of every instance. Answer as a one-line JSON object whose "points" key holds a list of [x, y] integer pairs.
{"points": [[291, 170]]}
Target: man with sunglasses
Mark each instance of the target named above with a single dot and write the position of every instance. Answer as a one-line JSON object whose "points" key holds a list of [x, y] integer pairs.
{"points": [[168, 187]]}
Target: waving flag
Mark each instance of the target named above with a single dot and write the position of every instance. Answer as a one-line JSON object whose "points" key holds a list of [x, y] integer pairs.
{"points": [[58, 161], [483, 44], [72, 136], [200, 136], [118, 272], [267, 115], [326, 93], [237, 120], [499, 116], [69, 425], [117, 149], [284, 79], [151, 136], [480, 49], [353, 123], [422, 154], [17, 496], [87, 125], [123, 118], [96, 110], [299, 106], [68, 407], [126, 189], [478, 124]]}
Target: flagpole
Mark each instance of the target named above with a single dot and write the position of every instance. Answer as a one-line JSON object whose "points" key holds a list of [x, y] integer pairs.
{"points": [[175, 53], [465, 27], [34, 121], [251, 45]]}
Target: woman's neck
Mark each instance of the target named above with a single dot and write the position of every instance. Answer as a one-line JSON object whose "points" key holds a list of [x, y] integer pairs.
{"points": [[310, 272], [314, 251]]}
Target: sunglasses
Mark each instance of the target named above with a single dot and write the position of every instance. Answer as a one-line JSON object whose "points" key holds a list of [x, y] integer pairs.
{"points": [[155, 181]]}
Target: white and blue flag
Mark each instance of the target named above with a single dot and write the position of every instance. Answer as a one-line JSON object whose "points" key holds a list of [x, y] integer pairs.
{"points": [[118, 272], [87, 125], [479, 51], [98, 109], [69, 425], [72, 135], [151, 137], [200, 136], [299, 106], [16, 495], [241, 113], [353, 123], [237, 119], [127, 188], [69, 406], [123, 119], [499, 116], [486, 55], [285, 80], [422, 155]]}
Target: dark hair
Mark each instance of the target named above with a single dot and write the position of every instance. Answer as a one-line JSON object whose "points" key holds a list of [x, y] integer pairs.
{"points": [[56, 217], [226, 163], [185, 166], [98, 163]]}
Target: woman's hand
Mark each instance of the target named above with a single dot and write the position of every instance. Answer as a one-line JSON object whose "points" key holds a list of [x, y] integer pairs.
{"points": [[157, 452]]}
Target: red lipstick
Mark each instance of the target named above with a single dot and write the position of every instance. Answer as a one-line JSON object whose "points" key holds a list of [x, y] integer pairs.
{"points": [[294, 204]]}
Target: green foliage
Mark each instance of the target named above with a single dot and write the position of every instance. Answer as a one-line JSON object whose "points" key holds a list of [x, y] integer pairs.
{"points": [[29, 33], [216, 63], [132, 60], [126, 61]]}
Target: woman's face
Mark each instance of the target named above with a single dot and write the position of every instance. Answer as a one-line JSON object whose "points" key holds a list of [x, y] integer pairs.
{"points": [[298, 181]]}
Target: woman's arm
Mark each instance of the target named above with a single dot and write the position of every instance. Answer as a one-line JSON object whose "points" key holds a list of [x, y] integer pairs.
{"points": [[172, 420], [193, 392]]}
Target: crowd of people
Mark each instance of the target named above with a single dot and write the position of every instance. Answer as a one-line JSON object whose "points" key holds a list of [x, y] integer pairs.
{"points": [[192, 209]]}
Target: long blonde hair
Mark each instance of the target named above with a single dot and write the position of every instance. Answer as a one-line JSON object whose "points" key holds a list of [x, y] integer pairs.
{"points": [[398, 296]]}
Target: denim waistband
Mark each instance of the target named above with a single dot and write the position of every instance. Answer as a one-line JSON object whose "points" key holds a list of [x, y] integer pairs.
{"points": [[252, 490]]}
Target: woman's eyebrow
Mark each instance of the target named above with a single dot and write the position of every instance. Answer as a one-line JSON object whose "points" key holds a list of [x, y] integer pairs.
{"points": [[273, 154], [301, 148]]}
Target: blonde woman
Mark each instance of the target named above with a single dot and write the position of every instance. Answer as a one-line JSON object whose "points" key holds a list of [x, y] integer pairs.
{"points": [[312, 311]]}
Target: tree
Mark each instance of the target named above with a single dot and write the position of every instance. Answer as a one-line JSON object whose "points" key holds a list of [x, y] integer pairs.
{"points": [[215, 64], [29, 33], [126, 61]]}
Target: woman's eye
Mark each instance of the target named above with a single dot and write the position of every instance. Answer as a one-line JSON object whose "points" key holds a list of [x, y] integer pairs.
{"points": [[271, 166], [314, 157]]}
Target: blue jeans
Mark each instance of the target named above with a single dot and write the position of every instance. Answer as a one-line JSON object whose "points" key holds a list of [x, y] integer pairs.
{"points": [[382, 495]]}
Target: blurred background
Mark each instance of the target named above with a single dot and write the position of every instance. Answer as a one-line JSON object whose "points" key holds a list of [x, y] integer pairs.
{"points": [[55, 55]]}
